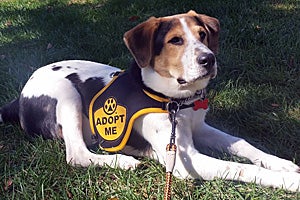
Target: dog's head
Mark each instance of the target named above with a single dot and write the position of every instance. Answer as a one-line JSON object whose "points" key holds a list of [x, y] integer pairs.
{"points": [[176, 53]]}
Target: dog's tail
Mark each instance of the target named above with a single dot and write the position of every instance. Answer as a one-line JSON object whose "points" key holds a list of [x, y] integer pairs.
{"points": [[10, 112]]}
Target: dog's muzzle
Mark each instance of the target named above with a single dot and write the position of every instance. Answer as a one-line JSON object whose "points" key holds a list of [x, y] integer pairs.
{"points": [[206, 61]]}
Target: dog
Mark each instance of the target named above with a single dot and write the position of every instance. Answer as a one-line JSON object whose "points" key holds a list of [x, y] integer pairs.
{"points": [[174, 60]]}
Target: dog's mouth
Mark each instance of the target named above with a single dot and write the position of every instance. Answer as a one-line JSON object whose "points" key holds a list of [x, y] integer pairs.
{"points": [[181, 81], [184, 82]]}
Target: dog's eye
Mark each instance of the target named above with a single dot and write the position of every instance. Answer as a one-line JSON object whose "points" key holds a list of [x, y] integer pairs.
{"points": [[176, 41], [202, 35]]}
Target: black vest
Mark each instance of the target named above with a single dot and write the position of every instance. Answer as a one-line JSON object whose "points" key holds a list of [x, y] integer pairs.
{"points": [[114, 108]]}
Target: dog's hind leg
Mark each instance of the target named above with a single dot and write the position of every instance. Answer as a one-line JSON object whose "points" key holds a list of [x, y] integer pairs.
{"points": [[69, 113]]}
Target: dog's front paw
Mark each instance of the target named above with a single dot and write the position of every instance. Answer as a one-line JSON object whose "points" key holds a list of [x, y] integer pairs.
{"points": [[277, 164], [291, 181], [126, 162]]}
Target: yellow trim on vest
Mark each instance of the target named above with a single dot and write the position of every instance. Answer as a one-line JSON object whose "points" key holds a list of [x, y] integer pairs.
{"points": [[155, 97], [129, 127], [93, 101]]}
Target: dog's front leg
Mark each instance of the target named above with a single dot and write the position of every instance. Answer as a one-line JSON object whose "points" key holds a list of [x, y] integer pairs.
{"points": [[190, 163], [155, 128], [70, 117], [205, 135]]}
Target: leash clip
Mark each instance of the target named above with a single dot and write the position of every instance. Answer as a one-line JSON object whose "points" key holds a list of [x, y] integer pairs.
{"points": [[173, 107]]}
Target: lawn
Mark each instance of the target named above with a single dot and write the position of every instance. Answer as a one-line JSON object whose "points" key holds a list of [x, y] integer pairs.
{"points": [[256, 94]]}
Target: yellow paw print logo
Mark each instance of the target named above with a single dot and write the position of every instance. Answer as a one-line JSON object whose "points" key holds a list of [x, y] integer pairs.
{"points": [[110, 106]]}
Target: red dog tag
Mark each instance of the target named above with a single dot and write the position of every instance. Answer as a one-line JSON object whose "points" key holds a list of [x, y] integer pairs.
{"points": [[200, 104]]}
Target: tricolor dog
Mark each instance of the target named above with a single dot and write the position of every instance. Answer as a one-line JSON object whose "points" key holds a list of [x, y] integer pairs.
{"points": [[89, 104]]}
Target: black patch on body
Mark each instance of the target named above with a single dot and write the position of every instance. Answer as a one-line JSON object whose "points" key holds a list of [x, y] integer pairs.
{"points": [[56, 68], [10, 112], [87, 89], [74, 78], [38, 116]]}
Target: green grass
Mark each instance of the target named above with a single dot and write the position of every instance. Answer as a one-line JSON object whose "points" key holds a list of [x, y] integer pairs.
{"points": [[256, 94]]}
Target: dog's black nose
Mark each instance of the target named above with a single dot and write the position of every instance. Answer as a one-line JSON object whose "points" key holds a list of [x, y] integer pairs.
{"points": [[206, 60]]}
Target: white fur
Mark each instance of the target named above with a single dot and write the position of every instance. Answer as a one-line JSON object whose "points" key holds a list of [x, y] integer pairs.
{"points": [[164, 85]]}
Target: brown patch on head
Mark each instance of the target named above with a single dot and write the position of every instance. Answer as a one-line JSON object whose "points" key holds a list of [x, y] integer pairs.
{"points": [[170, 46], [139, 41], [198, 29], [212, 25]]}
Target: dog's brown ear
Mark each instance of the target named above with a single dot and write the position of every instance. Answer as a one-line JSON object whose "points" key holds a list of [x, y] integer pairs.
{"points": [[139, 41], [213, 26]]}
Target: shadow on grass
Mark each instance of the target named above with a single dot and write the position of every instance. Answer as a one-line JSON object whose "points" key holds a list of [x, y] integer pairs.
{"points": [[259, 53]]}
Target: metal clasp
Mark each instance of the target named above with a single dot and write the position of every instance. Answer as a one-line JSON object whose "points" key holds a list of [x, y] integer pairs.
{"points": [[173, 106]]}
